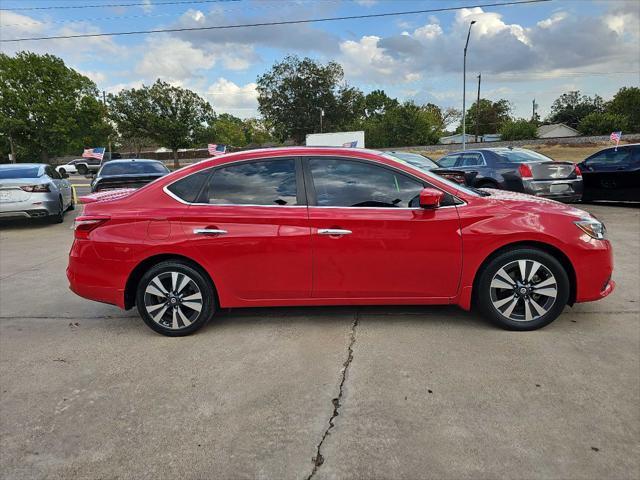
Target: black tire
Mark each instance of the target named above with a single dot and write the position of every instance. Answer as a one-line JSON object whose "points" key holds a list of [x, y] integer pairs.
{"points": [[72, 205], [524, 313], [62, 171], [182, 314], [82, 169], [58, 217]]}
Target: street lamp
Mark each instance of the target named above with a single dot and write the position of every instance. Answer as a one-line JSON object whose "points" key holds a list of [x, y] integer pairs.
{"points": [[321, 115], [464, 89]]}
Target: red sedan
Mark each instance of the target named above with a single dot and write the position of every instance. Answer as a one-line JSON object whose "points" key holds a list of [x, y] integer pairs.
{"points": [[332, 226]]}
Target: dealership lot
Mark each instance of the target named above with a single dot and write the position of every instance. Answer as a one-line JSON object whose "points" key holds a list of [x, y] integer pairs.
{"points": [[88, 391]]}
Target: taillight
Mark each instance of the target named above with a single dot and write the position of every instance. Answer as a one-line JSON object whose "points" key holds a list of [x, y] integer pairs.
{"points": [[578, 172], [525, 171], [82, 226], [42, 188]]}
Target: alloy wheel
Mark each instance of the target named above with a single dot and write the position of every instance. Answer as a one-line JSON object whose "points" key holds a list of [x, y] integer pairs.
{"points": [[173, 300], [523, 290]]}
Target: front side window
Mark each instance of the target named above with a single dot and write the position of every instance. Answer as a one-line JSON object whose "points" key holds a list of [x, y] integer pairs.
{"points": [[264, 182], [348, 183], [612, 158]]}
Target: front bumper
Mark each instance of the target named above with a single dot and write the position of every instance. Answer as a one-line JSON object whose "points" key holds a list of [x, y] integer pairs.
{"points": [[562, 189], [594, 269]]}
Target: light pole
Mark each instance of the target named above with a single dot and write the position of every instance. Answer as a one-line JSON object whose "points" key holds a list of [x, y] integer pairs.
{"points": [[321, 115], [464, 89]]}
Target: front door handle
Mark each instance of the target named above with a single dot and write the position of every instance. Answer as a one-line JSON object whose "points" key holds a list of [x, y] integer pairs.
{"points": [[209, 231], [333, 231]]}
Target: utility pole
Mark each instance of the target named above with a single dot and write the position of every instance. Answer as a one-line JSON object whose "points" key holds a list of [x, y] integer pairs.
{"points": [[533, 115], [104, 102], [321, 115], [478, 108], [464, 89]]}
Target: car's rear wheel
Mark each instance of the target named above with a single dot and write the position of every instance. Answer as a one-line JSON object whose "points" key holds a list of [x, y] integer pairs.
{"points": [[59, 216], [175, 299], [62, 171], [523, 289], [82, 169]]}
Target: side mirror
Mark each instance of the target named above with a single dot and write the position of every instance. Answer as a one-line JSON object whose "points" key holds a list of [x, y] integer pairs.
{"points": [[430, 198]]}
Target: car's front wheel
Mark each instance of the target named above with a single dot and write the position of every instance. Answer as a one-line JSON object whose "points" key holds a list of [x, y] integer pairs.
{"points": [[175, 299], [522, 289]]}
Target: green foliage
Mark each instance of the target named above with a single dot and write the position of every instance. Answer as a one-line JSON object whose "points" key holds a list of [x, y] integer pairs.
{"points": [[518, 130], [47, 108], [571, 107], [627, 103], [601, 123], [131, 110], [492, 116], [291, 94], [177, 116]]}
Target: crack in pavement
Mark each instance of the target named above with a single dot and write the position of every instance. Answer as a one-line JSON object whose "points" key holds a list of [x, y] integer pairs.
{"points": [[318, 460]]}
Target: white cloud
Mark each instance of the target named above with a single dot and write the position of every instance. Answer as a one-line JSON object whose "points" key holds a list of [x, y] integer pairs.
{"points": [[488, 23], [228, 97], [555, 18], [173, 60], [97, 77], [147, 6], [427, 32]]}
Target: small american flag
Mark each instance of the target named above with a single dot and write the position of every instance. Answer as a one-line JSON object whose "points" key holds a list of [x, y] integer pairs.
{"points": [[93, 153], [350, 144], [216, 149], [615, 136]]}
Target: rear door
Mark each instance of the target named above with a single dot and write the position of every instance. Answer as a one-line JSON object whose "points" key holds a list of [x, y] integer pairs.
{"points": [[250, 225], [371, 239]]}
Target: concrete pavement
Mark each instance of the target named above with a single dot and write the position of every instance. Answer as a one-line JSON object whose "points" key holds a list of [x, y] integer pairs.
{"points": [[88, 391]]}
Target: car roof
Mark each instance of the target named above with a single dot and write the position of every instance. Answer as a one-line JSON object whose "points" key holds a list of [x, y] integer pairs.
{"points": [[131, 160], [18, 165]]}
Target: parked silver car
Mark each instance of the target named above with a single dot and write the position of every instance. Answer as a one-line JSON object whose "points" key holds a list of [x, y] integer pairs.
{"points": [[32, 190]]}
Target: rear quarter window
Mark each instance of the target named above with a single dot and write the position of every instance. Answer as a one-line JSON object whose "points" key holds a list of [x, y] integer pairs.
{"points": [[188, 188]]}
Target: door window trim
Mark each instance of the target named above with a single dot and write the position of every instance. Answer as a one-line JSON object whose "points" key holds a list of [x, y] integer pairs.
{"points": [[301, 194], [311, 192], [484, 160]]}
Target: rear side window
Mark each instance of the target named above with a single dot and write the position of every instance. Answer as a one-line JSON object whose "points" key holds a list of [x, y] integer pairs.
{"points": [[448, 161], [264, 182], [347, 183], [472, 160], [188, 188]]}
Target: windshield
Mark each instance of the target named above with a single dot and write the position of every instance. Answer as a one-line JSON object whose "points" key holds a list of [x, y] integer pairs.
{"points": [[523, 156], [457, 186], [19, 172], [133, 168]]}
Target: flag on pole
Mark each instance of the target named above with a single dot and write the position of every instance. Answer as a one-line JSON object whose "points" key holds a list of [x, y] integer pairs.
{"points": [[350, 144], [93, 153], [615, 137], [216, 149]]}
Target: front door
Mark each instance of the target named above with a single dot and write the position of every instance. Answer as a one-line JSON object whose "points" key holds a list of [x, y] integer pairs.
{"points": [[370, 237], [250, 227]]}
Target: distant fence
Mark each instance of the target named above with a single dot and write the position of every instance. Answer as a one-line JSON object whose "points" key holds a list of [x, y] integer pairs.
{"points": [[197, 154], [630, 138]]}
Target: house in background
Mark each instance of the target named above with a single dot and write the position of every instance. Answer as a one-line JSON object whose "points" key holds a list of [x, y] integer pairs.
{"points": [[457, 138], [557, 130]]}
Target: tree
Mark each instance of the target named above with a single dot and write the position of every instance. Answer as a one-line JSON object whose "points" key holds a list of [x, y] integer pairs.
{"points": [[131, 111], [177, 117], [491, 116], [445, 117], [627, 102], [601, 123], [518, 130], [47, 108], [571, 107], [292, 94], [377, 102]]}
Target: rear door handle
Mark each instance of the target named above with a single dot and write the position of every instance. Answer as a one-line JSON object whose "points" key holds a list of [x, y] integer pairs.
{"points": [[209, 231], [333, 231]]}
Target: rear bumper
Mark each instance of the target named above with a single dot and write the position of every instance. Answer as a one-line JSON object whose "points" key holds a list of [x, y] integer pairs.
{"points": [[31, 208], [562, 190], [91, 278]]}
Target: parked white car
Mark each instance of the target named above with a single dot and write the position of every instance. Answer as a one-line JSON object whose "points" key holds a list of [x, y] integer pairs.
{"points": [[68, 167]]}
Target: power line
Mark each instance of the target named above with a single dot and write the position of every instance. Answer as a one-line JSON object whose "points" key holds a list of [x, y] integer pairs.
{"points": [[113, 5], [263, 24]]}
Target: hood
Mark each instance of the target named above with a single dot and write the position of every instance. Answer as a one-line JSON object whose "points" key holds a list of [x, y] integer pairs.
{"points": [[528, 203]]}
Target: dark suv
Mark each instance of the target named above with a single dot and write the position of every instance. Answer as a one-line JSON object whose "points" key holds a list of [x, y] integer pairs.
{"points": [[518, 170], [612, 174]]}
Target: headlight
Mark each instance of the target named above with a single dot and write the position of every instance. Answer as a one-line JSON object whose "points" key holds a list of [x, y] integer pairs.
{"points": [[592, 227]]}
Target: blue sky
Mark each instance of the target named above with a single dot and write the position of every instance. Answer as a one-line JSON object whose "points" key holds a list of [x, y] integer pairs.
{"points": [[523, 52]]}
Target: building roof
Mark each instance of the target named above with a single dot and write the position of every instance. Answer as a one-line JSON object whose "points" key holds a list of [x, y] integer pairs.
{"points": [[544, 129]]}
